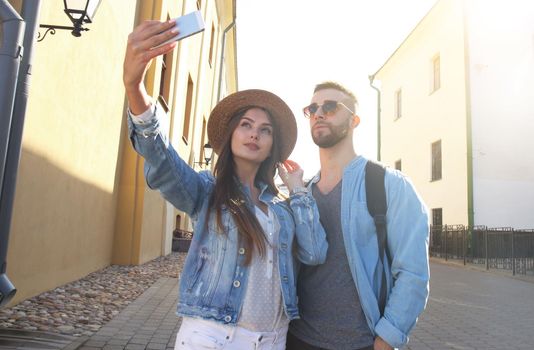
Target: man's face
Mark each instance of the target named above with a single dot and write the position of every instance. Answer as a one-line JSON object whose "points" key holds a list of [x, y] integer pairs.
{"points": [[328, 130]]}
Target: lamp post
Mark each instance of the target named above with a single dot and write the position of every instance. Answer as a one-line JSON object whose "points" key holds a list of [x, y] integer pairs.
{"points": [[79, 12], [208, 154]]}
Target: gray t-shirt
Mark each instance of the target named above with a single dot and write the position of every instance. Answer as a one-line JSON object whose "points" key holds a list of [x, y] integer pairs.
{"points": [[329, 305]]}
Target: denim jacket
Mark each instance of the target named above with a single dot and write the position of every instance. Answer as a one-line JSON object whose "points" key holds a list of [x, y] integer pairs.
{"points": [[407, 239], [214, 278]]}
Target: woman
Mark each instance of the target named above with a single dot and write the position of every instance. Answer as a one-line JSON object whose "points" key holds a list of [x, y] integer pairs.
{"points": [[238, 285]]}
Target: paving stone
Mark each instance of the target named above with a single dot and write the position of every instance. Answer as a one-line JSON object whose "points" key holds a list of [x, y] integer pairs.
{"points": [[156, 346], [134, 347], [118, 342], [113, 347]]}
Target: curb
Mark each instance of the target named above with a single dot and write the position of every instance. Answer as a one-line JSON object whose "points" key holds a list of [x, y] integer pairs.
{"points": [[504, 273]]}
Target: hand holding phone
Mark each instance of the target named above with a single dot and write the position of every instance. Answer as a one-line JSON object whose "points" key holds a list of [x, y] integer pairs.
{"points": [[187, 25]]}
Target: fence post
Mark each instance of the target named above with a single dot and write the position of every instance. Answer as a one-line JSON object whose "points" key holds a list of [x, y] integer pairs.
{"points": [[513, 252], [445, 244], [463, 242], [486, 247], [442, 247]]}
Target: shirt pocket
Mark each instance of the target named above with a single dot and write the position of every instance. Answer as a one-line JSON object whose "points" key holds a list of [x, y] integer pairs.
{"points": [[362, 225], [200, 266], [228, 224], [212, 258]]}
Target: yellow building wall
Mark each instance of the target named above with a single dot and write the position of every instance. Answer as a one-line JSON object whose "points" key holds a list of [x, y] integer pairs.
{"points": [[429, 116], [194, 56], [64, 209], [146, 220], [81, 199]]}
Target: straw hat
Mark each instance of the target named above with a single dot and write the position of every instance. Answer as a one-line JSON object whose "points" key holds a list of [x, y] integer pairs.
{"points": [[286, 126]]}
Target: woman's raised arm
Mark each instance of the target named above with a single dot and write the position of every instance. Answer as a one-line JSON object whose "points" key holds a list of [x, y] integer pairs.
{"points": [[139, 54]]}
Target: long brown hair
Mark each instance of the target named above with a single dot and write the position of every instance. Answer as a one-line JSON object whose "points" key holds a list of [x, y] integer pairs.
{"points": [[228, 191]]}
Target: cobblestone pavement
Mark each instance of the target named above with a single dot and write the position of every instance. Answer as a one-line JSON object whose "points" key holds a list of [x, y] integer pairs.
{"points": [[148, 323], [468, 309], [82, 307], [474, 309]]}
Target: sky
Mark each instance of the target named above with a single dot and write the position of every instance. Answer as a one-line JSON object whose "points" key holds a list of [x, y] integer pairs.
{"points": [[288, 46]]}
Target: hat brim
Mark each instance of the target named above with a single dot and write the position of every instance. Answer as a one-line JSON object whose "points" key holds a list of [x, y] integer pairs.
{"points": [[284, 119]]}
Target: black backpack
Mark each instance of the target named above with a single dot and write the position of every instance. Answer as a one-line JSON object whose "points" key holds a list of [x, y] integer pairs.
{"points": [[375, 192]]}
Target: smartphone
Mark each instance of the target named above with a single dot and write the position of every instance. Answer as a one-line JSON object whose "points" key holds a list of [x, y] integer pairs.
{"points": [[188, 25]]}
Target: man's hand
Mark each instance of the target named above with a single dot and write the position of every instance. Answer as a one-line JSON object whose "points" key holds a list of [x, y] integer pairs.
{"points": [[139, 53], [380, 344]]}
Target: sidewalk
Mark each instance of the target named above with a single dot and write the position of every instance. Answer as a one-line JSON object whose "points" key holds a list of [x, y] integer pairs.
{"points": [[468, 308], [474, 309], [150, 322]]}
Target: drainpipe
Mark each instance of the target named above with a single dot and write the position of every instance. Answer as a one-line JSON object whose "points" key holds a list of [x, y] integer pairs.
{"points": [[10, 57], [222, 53], [378, 129], [469, 125]]}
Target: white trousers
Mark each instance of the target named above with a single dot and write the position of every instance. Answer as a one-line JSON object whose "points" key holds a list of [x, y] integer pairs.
{"points": [[197, 334]]}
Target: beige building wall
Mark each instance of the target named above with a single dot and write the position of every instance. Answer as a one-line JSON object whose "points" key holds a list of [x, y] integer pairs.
{"points": [[428, 116], [81, 200], [199, 70], [501, 66], [64, 209]]}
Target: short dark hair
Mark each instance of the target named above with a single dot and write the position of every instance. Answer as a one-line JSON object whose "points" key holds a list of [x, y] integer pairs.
{"points": [[336, 86]]}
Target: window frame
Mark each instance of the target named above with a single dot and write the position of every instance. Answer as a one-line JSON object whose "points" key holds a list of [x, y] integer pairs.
{"points": [[435, 71], [398, 104], [188, 111], [398, 164], [436, 169]]}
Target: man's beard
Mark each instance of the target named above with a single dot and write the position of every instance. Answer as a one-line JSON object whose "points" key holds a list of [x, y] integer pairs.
{"points": [[337, 133]]}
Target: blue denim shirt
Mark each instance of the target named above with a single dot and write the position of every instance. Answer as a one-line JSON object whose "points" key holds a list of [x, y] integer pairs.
{"points": [[407, 239], [214, 278]]}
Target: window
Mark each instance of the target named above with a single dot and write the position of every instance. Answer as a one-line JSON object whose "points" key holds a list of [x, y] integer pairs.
{"points": [[202, 140], [188, 109], [178, 224], [398, 165], [398, 104], [436, 160], [436, 73], [165, 79], [163, 83], [212, 44], [437, 217]]}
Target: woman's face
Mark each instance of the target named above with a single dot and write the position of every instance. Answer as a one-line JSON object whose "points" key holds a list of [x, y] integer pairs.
{"points": [[252, 139]]}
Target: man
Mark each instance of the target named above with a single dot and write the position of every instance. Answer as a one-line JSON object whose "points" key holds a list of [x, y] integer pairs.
{"points": [[338, 300]]}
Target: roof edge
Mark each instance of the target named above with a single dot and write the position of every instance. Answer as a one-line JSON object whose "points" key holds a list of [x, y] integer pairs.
{"points": [[372, 76]]}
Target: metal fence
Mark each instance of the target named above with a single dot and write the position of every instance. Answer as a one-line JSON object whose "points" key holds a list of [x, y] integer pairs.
{"points": [[497, 248], [181, 240]]}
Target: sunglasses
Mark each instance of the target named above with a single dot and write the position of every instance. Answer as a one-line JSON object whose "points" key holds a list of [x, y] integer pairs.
{"points": [[329, 108]]}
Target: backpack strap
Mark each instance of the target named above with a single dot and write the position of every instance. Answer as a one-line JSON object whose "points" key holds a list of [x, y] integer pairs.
{"points": [[375, 192]]}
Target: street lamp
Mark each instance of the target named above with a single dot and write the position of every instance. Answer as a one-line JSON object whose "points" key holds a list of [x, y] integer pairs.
{"points": [[208, 154], [79, 12]]}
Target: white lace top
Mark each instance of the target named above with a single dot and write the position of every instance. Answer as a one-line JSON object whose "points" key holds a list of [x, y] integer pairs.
{"points": [[263, 309]]}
